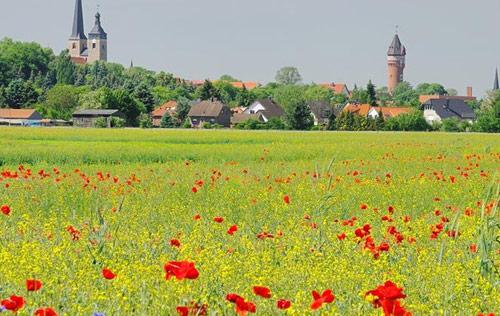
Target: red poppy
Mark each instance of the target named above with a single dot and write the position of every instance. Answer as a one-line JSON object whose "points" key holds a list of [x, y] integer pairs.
{"points": [[473, 248], [194, 189], [286, 199], [233, 229], [108, 274], [181, 270], [325, 298], [175, 243], [194, 309], [197, 217], [5, 210], [341, 236], [46, 311], [363, 206], [242, 307], [218, 219], [283, 304], [387, 298], [262, 291], [33, 285], [13, 303]]}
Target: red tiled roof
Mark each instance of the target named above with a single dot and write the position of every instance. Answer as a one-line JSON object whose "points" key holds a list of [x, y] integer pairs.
{"points": [[79, 60], [338, 88], [359, 109], [167, 107], [18, 113], [248, 85]]}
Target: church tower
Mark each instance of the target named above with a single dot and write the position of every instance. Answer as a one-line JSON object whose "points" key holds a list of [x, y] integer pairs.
{"points": [[98, 42], [496, 86], [396, 62], [77, 43]]}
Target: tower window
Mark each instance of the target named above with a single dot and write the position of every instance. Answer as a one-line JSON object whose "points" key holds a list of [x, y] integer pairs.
{"points": [[74, 45], [93, 45]]}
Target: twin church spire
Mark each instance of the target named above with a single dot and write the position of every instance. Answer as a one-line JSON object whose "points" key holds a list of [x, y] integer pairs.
{"points": [[87, 50]]}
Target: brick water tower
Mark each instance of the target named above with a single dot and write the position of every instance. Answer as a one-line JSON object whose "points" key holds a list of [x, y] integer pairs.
{"points": [[396, 62]]}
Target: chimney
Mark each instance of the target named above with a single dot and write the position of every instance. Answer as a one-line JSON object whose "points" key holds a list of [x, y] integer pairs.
{"points": [[469, 91]]}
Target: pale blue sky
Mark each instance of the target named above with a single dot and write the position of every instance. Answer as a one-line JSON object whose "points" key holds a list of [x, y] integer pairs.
{"points": [[454, 42]]}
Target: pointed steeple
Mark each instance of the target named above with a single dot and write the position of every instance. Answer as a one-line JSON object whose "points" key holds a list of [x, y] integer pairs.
{"points": [[78, 30], [97, 31], [396, 48], [495, 84]]}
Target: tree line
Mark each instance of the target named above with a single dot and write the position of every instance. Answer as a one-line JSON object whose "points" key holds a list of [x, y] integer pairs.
{"points": [[32, 76]]}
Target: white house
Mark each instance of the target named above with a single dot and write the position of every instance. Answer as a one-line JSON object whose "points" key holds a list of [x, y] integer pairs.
{"points": [[267, 108]]}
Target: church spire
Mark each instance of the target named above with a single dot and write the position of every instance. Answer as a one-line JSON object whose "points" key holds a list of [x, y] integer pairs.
{"points": [[97, 31], [495, 84], [78, 30]]}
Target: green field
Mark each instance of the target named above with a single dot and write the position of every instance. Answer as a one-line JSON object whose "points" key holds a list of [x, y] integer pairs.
{"points": [[128, 193]]}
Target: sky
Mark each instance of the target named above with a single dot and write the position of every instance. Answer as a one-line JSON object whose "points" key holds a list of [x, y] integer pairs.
{"points": [[453, 42]]}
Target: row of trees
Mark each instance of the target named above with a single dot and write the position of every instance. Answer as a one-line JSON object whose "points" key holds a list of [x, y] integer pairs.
{"points": [[33, 77]]}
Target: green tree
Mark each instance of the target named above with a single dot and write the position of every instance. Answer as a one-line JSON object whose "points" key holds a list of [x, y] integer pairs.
{"points": [[64, 68], [228, 78], [120, 99], [299, 116], [207, 91], [145, 121], [404, 95], [182, 109], [245, 97], [288, 76], [167, 121], [19, 60], [372, 95], [20, 94], [413, 121], [488, 118], [61, 102], [143, 93], [288, 96], [430, 89], [332, 121], [359, 95], [318, 93]]}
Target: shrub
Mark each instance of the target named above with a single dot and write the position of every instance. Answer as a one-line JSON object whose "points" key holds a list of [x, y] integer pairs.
{"points": [[145, 121]]}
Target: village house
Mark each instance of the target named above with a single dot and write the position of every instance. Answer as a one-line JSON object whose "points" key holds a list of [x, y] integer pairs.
{"points": [[436, 110], [88, 118], [20, 117], [212, 112], [387, 112], [337, 88], [267, 107], [469, 97], [238, 118], [373, 112], [167, 108], [321, 112]]}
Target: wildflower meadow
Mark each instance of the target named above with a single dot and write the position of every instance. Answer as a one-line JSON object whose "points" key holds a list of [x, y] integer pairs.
{"points": [[147, 222]]}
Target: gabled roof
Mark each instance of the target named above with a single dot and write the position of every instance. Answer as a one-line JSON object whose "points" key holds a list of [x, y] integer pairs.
{"points": [[98, 31], [396, 48], [337, 88], [166, 107], [19, 114], [321, 109], [447, 108], [359, 109], [96, 112], [207, 109], [78, 30], [389, 112], [272, 109], [242, 117]]}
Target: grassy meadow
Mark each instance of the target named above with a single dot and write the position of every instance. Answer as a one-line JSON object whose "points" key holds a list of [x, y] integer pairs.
{"points": [[313, 211]]}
